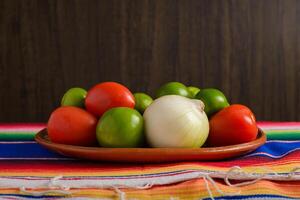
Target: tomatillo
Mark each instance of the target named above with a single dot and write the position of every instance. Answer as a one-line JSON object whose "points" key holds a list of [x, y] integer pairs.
{"points": [[193, 91], [173, 88], [213, 99], [120, 127], [74, 97], [142, 101]]}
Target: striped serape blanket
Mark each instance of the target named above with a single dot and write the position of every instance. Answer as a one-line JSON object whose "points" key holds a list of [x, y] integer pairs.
{"points": [[27, 170]]}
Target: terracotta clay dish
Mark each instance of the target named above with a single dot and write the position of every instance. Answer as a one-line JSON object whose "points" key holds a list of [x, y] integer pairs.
{"points": [[150, 155]]}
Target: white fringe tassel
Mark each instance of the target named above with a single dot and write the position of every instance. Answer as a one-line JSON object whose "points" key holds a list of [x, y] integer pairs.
{"points": [[54, 187]]}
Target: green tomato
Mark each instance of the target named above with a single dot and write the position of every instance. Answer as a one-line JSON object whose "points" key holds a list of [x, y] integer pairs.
{"points": [[213, 99], [174, 88], [142, 101], [193, 91], [74, 97], [120, 127]]}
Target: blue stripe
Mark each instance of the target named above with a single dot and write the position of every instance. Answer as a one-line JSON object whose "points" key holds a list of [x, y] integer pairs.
{"points": [[30, 196], [256, 196], [33, 150], [276, 148], [26, 150]]}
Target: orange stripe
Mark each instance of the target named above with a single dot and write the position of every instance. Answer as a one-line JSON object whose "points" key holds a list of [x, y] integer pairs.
{"points": [[280, 168]]}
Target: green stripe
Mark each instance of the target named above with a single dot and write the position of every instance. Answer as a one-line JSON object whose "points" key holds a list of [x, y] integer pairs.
{"points": [[283, 135], [18, 132], [271, 135], [17, 136]]}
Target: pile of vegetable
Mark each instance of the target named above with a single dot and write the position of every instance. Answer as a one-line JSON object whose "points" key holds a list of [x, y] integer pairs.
{"points": [[109, 115]]}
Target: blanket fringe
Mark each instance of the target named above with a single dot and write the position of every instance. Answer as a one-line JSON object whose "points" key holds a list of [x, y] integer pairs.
{"points": [[233, 173]]}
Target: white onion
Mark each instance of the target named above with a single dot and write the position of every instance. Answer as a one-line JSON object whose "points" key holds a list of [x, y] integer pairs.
{"points": [[176, 121]]}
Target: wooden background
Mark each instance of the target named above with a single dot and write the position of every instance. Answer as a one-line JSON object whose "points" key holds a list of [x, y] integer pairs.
{"points": [[249, 49]]}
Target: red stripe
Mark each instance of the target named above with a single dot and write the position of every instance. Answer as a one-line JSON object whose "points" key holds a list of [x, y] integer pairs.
{"points": [[250, 161], [42, 125], [78, 167], [22, 125], [278, 124]]}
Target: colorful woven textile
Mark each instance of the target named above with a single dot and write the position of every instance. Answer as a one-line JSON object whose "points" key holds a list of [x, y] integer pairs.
{"points": [[27, 170], [281, 130], [19, 132], [274, 131]]}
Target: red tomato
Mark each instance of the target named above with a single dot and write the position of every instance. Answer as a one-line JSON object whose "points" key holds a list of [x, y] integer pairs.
{"points": [[107, 95], [234, 124], [72, 125]]}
